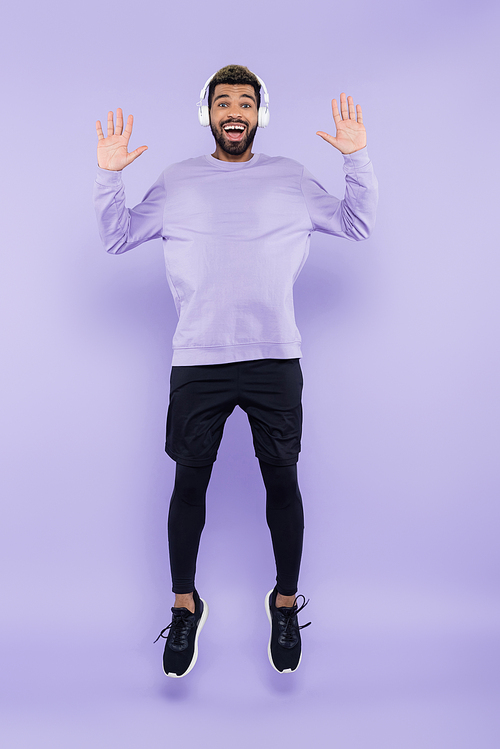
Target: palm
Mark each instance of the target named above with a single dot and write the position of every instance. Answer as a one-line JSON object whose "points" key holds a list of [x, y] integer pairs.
{"points": [[351, 133], [112, 152], [351, 136]]}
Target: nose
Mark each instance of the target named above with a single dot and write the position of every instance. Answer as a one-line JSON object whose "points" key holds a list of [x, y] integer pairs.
{"points": [[233, 112]]}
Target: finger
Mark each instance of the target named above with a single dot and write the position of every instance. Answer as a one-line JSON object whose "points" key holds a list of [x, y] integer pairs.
{"points": [[98, 127], [128, 127], [360, 113], [134, 154], [352, 111], [343, 107], [110, 124], [329, 138], [335, 111], [119, 121]]}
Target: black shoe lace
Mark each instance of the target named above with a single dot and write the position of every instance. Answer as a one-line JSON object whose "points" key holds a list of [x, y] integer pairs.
{"points": [[290, 614], [179, 626]]}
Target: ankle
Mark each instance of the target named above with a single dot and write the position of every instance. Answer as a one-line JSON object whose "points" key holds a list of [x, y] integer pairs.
{"points": [[184, 600], [287, 601]]}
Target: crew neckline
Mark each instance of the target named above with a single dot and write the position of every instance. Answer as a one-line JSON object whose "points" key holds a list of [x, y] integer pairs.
{"points": [[228, 165]]}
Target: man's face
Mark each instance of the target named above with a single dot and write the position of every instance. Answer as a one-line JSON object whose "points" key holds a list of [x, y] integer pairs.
{"points": [[233, 118]]}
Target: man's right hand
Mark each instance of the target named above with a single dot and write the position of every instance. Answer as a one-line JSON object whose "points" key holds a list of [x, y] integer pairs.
{"points": [[112, 151]]}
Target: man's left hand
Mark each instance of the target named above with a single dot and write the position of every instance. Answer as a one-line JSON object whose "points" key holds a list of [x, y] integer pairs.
{"points": [[351, 133]]}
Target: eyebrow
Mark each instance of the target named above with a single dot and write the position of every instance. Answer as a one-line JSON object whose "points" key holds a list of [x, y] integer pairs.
{"points": [[242, 96]]}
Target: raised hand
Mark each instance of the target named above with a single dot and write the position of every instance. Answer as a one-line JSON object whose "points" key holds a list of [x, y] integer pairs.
{"points": [[351, 133], [112, 151]]}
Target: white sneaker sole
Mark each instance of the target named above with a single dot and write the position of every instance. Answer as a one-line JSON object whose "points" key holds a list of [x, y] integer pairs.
{"points": [[268, 610], [202, 621]]}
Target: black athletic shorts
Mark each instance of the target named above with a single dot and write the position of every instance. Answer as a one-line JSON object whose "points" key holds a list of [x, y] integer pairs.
{"points": [[203, 396]]}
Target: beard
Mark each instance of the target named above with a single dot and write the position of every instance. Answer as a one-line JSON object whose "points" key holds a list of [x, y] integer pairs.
{"points": [[231, 147]]}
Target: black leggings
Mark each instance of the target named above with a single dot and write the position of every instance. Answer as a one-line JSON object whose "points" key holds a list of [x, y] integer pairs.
{"points": [[284, 515]]}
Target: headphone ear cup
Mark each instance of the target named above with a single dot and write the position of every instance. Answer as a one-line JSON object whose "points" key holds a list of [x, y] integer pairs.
{"points": [[263, 117], [204, 115]]}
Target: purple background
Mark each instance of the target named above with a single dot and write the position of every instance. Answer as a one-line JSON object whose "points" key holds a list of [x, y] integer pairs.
{"points": [[399, 470]]}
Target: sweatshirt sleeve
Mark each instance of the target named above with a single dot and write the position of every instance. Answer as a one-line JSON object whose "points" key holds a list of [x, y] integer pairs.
{"points": [[120, 228], [354, 216]]}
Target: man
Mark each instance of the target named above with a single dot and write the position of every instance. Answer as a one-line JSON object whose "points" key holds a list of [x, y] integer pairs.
{"points": [[236, 228]]}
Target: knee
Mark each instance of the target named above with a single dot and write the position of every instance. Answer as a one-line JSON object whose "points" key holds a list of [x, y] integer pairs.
{"points": [[282, 488], [191, 484]]}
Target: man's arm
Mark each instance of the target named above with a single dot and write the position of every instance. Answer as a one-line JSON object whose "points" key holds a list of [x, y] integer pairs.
{"points": [[122, 228], [354, 216]]}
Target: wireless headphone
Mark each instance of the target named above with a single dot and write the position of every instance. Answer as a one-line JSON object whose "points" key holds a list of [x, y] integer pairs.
{"points": [[204, 112]]}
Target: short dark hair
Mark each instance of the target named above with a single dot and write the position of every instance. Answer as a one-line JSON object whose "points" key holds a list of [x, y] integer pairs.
{"points": [[234, 75]]}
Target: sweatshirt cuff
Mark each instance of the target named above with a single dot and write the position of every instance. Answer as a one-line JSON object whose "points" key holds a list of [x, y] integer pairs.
{"points": [[356, 160], [108, 178]]}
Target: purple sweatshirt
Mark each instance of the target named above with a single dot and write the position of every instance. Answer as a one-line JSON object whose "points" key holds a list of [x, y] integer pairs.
{"points": [[235, 238]]}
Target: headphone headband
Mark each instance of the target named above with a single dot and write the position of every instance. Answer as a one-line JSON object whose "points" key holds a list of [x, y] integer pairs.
{"points": [[203, 110]]}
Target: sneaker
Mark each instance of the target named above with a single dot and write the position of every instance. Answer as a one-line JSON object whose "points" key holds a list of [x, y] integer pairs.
{"points": [[181, 648], [284, 650]]}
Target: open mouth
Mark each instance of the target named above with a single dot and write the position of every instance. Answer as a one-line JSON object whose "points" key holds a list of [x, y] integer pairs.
{"points": [[234, 132]]}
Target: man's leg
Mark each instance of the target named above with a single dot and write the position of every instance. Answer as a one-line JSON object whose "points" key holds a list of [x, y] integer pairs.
{"points": [[186, 520], [285, 518]]}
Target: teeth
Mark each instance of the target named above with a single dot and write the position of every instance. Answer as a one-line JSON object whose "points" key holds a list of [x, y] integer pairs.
{"points": [[234, 127]]}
